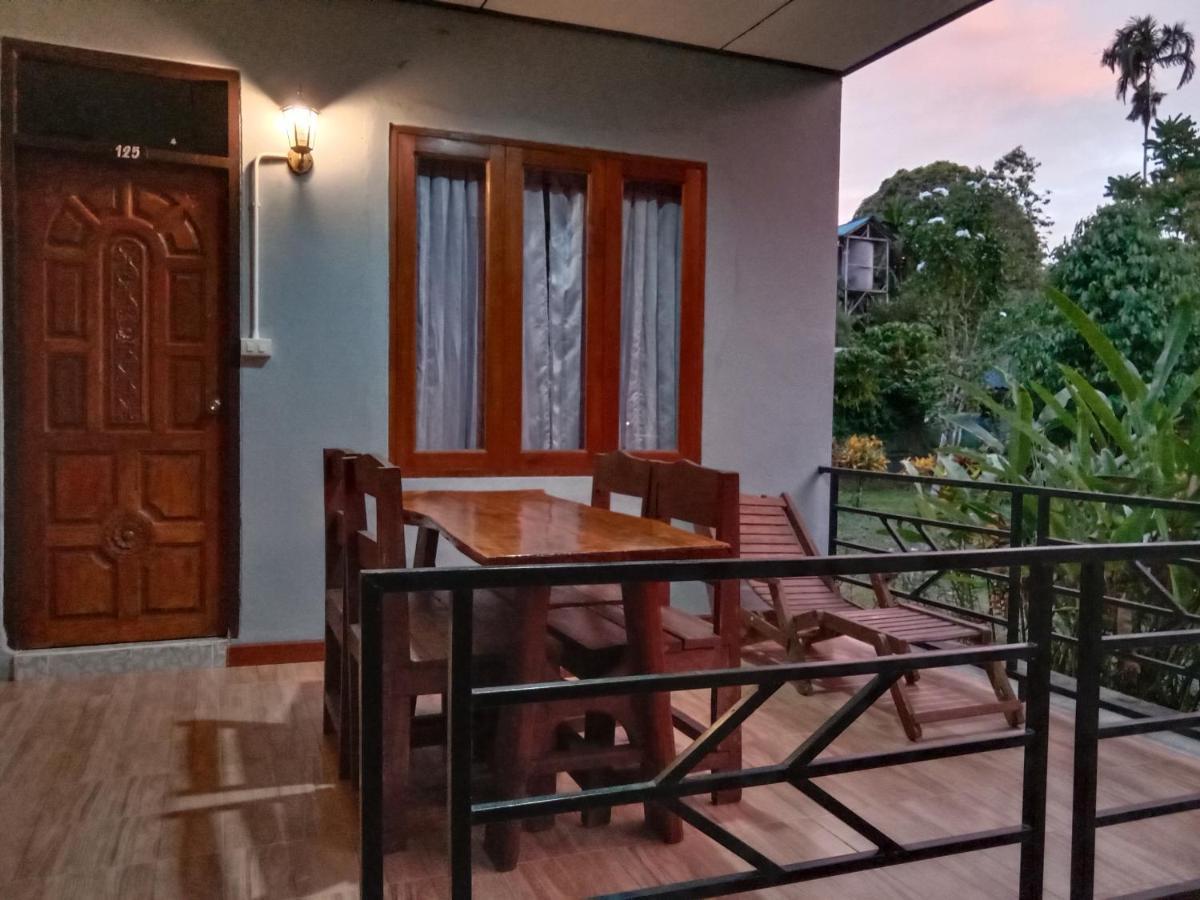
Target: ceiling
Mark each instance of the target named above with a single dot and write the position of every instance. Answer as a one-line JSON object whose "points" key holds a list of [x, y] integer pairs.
{"points": [[835, 35]]}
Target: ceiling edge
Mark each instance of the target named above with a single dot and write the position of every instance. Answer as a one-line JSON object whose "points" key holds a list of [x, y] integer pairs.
{"points": [[642, 38], [915, 36]]}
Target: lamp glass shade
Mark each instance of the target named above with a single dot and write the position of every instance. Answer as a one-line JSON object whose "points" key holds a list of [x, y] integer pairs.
{"points": [[300, 126]]}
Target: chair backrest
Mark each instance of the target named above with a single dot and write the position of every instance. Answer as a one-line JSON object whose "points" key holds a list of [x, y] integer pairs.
{"points": [[704, 498], [619, 472], [378, 543], [772, 528], [707, 499], [334, 462]]}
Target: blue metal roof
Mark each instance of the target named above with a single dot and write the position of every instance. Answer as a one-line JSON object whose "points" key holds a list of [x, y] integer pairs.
{"points": [[853, 226]]}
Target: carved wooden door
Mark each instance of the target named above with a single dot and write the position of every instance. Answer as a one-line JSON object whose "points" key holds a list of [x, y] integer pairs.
{"points": [[118, 410]]}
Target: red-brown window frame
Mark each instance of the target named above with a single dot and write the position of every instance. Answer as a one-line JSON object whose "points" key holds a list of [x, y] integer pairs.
{"points": [[505, 161]]}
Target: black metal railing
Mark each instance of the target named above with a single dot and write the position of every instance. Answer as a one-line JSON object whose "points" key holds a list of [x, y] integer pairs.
{"points": [[1032, 506], [799, 769]]}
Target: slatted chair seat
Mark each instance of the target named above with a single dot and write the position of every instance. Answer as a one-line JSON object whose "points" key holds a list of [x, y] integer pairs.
{"points": [[907, 625], [429, 634], [799, 612], [596, 634]]}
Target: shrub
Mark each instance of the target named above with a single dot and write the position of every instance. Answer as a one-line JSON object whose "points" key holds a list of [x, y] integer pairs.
{"points": [[862, 452]]}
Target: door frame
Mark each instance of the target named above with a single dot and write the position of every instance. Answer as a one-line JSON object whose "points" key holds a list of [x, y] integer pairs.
{"points": [[229, 359]]}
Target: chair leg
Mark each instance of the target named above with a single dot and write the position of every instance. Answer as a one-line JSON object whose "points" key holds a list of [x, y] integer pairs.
{"points": [[601, 731], [397, 750], [348, 730], [904, 708], [1004, 692], [333, 681]]}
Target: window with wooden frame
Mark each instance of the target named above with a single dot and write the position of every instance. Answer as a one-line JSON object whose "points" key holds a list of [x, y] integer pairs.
{"points": [[547, 303]]}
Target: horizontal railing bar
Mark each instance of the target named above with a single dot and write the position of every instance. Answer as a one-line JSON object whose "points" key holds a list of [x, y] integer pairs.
{"points": [[921, 520], [1115, 642], [546, 691], [829, 867], [755, 776], [1029, 490], [391, 581], [1107, 703], [1175, 668], [1176, 722], [861, 762], [1132, 604], [863, 548], [1150, 809]]}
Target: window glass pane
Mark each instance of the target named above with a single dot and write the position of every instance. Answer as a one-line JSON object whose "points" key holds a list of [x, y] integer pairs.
{"points": [[553, 309], [652, 241], [449, 292]]}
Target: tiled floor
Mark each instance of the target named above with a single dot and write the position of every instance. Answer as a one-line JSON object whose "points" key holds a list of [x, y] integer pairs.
{"points": [[218, 783]]}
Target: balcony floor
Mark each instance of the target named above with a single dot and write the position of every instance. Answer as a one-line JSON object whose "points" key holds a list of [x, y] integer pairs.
{"points": [[218, 783]]}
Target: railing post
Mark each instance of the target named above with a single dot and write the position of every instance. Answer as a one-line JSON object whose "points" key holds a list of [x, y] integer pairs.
{"points": [[370, 693], [833, 513], [458, 743], [1016, 517], [1043, 520], [1037, 716], [1090, 631]]}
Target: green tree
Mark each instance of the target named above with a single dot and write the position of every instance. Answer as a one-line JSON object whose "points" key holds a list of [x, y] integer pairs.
{"points": [[1128, 275], [888, 378], [1174, 191], [1139, 48]]}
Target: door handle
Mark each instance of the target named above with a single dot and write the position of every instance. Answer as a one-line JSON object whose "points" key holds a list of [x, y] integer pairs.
{"points": [[214, 406]]}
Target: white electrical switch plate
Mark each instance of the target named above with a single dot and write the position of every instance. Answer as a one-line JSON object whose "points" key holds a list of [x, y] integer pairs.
{"points": [[256, 348]]}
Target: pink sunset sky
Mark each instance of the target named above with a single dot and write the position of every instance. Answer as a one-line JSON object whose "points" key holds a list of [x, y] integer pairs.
{"points": [[1012, 72]]}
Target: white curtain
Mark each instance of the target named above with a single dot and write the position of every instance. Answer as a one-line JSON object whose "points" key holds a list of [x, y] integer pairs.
{"points": [[449, 290], [553, 274], [651, 239]]}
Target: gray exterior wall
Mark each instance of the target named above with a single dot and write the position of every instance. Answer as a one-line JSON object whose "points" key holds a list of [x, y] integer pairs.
{"points": [[768, 133]]}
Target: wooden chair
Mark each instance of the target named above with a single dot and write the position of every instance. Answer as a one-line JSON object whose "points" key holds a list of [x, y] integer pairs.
{"points": [[800, 612], [415, 635], [335, 464], [594, 640], [612, 473]]}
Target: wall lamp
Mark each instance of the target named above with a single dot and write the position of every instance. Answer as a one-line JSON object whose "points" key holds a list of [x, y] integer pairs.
{"points": [[300, 126]]}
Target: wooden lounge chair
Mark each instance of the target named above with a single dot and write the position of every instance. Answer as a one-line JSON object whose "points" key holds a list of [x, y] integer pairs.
{"points": [[800, 612]]}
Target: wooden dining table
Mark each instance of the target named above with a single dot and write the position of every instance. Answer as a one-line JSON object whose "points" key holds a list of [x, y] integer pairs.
{"points": [[524, 527]]}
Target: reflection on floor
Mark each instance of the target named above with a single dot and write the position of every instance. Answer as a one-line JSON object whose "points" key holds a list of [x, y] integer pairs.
{"points": [[217, 783]]}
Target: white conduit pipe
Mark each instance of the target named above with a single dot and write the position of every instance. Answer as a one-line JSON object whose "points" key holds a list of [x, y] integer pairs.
{"points": [[255, 301]]}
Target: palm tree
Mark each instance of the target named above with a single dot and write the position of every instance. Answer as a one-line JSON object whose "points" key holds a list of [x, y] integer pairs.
{"points": [[1139, 48]]}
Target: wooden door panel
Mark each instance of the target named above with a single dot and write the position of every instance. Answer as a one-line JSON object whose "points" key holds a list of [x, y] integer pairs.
{"points": [[120, 324]]}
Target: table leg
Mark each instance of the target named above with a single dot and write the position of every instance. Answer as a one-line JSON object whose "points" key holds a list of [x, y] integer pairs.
{"points": [[520, 727], [643, 603]]}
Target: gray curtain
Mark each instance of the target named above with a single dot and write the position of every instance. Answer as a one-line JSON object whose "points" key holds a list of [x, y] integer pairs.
{"points": [[553, 289], [651, 237], [449, 291]]}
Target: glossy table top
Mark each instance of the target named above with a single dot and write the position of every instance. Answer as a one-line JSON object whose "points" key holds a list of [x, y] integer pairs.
{"points": [[531, 526]]}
